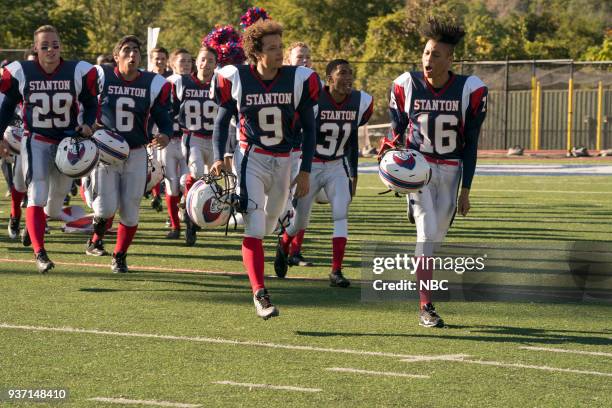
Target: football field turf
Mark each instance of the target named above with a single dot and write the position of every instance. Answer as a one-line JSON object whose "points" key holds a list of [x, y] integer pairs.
{"points": [[181, 327]]}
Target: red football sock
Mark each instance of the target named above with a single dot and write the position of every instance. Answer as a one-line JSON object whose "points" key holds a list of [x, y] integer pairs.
{"points": [[253, 260], [285, 241], [82, 193], [338, 245], [125, 235], [172, 204], [189, 181], [296, 244], [35, 223], [424, 274], [16, 198], [155, 190], [109, 224]]}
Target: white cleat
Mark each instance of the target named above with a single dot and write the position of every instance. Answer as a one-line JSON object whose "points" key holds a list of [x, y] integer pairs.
{"points": [[265, 308]]}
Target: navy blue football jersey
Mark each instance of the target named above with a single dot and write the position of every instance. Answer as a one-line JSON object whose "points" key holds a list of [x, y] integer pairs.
{"points": [[338, 123], [268, 110], [444, 123], [196, 109], [127, 106], [50, 102]]}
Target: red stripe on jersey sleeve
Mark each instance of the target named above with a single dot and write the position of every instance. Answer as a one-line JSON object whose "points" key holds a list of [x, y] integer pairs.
{"points": [[400, 98], [476, 99], [225, 87], [91, 81], [5, 81], [313, 87], [164, 94]]}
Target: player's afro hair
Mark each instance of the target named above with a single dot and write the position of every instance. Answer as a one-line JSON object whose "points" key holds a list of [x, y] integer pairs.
{"points": [[442, 31], [253, 36]]}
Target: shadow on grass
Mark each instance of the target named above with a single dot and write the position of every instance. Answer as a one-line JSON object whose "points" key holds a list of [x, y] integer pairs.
{"points": [[489, 334]]}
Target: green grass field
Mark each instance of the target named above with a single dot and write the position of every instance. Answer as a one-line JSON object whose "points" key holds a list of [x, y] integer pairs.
{"points": [[162, 335]]}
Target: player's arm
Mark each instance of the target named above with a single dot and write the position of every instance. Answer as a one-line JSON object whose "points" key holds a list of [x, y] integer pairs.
{"points": [[9, 86], [160, 113], [475, 116], [87, 96], [366, 108], [307, 109], [399, 119], [353, 159], [222, 92]]}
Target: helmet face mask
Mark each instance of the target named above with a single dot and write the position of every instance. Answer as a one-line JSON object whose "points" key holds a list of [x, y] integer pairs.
{"points": [[212, 200]]}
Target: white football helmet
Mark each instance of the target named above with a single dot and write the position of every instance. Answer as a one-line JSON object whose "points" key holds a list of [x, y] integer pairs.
{"points": [[13, 135], [209, 204], [76, 157], [155, 172], [114, 149], [404, 170]]}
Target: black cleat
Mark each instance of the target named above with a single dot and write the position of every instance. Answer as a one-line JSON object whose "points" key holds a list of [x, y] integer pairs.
{"points": [[280, 262], [336, 279], [24, 202], [95, 248], [173, 234], [191, 234], [43, 262], [119, 264], [428, 317], [298, 260], [25, 237], [168, 223], [156, 204], [265, 308], [13, 228]]}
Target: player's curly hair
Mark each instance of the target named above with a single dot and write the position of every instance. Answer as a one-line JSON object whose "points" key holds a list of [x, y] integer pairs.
{"points": [[253, 36], [447, 32]]}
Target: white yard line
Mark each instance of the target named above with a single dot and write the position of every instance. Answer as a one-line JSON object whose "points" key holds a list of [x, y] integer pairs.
{"points": [[368, 372], [226, 341], [269, 386], [535, 367], [558, 350], [125, 401]]}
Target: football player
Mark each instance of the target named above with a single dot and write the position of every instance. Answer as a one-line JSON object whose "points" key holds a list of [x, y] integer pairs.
{"points": [[196, 112], [444, 112], [50, 89], [341, 111], [158, 63], [172, 157], [129, 98], [268, 97], [297, 54]]}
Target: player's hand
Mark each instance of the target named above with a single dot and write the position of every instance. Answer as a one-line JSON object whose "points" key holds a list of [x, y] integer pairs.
{"points": [[353, 186], [302, 184], [160, 141], [463, 203], [4, 149], [217, 168], [84, 130], [227, 160]]}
